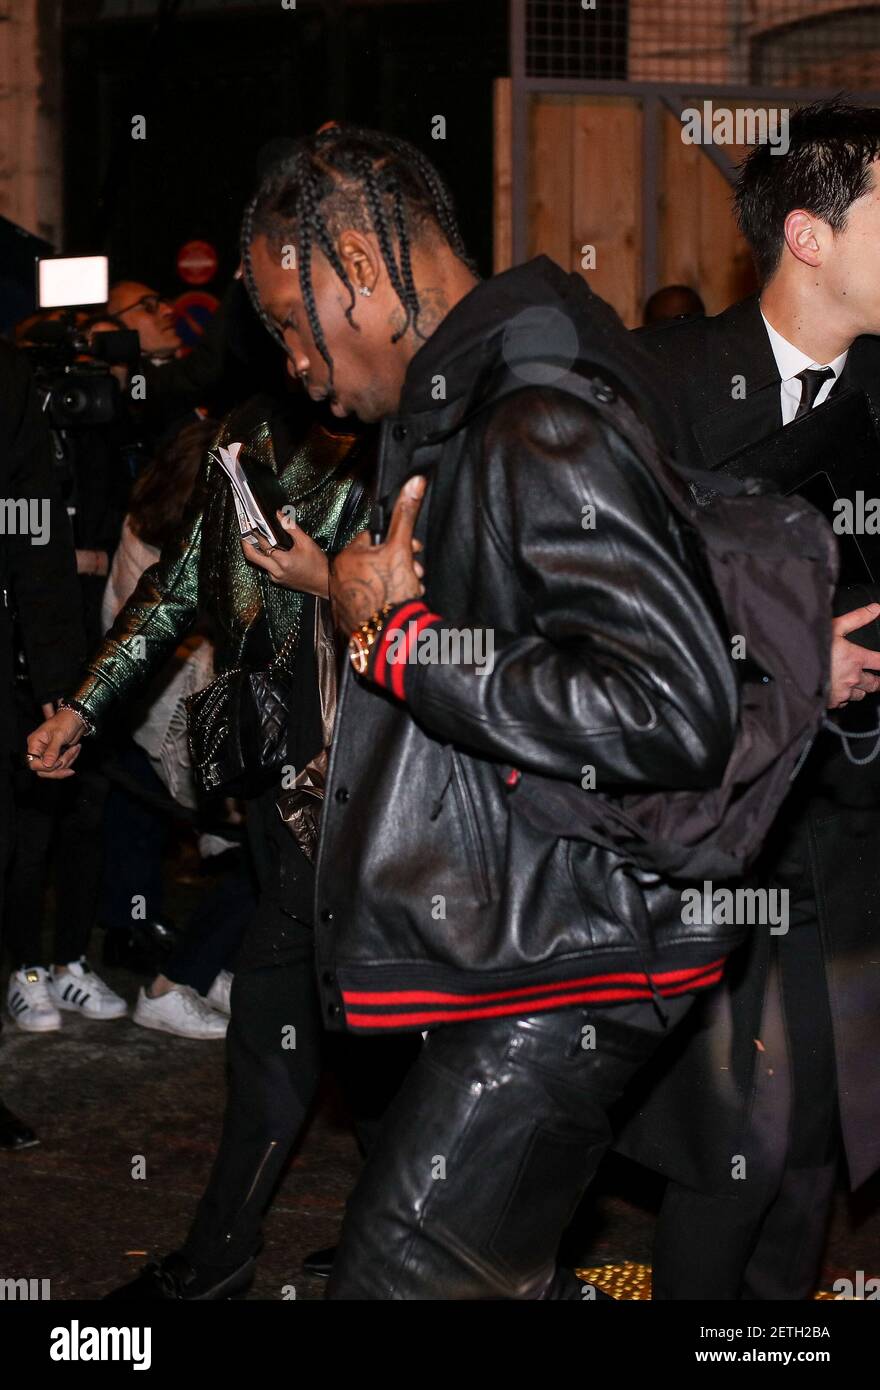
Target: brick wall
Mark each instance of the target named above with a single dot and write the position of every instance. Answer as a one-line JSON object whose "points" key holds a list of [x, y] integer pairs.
{"points": [[30, 99]]}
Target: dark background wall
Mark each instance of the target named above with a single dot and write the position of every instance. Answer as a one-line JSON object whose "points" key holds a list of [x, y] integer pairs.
{"points": [[214, 87]]}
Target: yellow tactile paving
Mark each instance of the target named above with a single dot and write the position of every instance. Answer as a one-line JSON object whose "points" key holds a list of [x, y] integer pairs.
{"points": [[633, 1281]]}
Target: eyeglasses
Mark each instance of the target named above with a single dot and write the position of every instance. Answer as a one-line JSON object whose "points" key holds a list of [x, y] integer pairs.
{"points": [[150, 304]]}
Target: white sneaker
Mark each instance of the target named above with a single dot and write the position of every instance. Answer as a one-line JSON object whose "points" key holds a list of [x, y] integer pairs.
{"points": [[29, 1002], [81, 991], [218, 994], [180, 1011]]}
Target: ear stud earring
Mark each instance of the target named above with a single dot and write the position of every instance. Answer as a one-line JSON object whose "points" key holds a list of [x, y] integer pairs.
{"points": [[364, 289]]}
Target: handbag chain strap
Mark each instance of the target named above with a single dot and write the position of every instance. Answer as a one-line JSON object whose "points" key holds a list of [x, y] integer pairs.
{"points": [[286, 645], [210, 693]]}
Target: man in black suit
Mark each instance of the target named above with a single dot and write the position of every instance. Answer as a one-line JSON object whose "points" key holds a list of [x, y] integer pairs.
{"points": [[38, 588], [776, 1076]]}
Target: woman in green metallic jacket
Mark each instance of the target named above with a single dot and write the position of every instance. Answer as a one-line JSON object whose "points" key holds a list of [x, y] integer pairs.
{"points": [[275, 1041], [205, 571]]}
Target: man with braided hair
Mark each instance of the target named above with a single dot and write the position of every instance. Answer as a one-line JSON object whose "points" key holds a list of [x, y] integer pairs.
{"points": [[382, 186], [439, 906]]}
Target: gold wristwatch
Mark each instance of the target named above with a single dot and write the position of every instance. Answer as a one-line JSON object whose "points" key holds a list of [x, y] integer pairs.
{"points": [[363, 639]]}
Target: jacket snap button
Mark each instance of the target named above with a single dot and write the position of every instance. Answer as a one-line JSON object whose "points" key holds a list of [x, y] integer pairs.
{"points": [[398, 432], [334, 1010], [342, 793], [604, 393], [326, 915]]}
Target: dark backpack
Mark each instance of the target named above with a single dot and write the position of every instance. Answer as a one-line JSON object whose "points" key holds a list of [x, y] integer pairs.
{"points": [[772, 561]]}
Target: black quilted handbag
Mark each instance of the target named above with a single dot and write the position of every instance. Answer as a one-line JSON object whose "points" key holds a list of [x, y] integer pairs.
{"points": [[238, 728]]}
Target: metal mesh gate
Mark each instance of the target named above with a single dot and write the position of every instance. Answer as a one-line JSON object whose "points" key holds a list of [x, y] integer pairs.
{"points": [[671, 54], [775, 42]]}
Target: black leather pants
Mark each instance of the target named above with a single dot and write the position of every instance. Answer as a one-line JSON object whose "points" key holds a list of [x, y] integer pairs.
{"points": [[271, 1088], [484, 1155]]}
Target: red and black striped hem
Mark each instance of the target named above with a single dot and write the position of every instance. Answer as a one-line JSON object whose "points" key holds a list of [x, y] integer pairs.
{"points": [[421, 1008], [403, 623]]}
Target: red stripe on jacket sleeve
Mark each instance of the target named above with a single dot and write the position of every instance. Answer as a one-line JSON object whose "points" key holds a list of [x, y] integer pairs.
{"points": [[409, 620], [377, 666]]}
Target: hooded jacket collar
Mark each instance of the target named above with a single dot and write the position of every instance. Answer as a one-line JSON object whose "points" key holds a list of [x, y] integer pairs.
{"points": [[534, 313]]}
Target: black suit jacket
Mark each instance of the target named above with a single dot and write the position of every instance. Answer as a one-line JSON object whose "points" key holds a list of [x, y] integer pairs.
{"points": [[36, 581], [701, 358], [39, 580], [702, 363], [832, 818]]}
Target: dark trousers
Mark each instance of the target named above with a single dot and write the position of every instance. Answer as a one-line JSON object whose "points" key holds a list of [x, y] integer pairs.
{"points": [[58, 837], [135, 836], [215, 929], [766, 1241], [485, 1154], [275, 1052]]}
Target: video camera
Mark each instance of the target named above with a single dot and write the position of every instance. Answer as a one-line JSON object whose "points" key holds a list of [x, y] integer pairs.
{"points": [[72, 371]]}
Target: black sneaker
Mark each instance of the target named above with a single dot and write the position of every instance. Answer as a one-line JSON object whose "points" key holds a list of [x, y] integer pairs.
{"points": [[14, 1133], [175, 1277], [141, 947]]}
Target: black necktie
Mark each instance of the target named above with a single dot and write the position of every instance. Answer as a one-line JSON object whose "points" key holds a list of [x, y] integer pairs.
{"points": [[811, 379]]}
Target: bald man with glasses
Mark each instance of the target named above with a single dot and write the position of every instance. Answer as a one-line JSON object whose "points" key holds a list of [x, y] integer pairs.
{"points": [[150, 315]]}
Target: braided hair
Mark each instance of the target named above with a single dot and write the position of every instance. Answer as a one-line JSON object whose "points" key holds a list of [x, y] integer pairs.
{"points": [[348, 176]]}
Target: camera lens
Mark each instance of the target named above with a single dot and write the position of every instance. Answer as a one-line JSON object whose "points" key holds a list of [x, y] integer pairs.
{"points": [[74, 400]]}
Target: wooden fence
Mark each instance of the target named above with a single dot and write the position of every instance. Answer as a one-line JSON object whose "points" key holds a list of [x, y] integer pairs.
{"points": [[585, 201]]}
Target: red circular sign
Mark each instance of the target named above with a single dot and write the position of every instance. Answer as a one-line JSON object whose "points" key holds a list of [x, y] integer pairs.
{"points": [[197, 262], [194, 309]]}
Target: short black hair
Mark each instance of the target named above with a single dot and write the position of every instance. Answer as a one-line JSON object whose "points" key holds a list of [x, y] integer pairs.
{"points": [[347, 175], [826, 167]]}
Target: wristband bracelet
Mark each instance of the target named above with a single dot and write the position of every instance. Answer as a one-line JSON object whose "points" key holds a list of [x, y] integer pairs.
{"points": [[364, 637], [80, 711]]}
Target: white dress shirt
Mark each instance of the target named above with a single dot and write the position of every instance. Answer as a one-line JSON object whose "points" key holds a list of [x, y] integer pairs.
{"points": [[789, 361]]}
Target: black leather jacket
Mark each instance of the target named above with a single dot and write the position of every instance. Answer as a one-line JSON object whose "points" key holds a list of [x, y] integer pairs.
{"points": [[436, 900]]}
